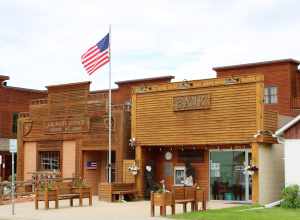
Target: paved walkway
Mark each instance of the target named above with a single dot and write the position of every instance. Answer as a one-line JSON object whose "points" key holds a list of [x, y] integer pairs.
{"points": [[139, 210]]}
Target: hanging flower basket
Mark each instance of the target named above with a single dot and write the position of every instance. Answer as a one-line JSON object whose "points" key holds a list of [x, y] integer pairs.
{"points": [[134, 169], [251, 170]]}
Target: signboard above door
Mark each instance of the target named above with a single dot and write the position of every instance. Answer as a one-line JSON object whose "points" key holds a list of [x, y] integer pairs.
{"points": [[191, 102], [73, 125]]}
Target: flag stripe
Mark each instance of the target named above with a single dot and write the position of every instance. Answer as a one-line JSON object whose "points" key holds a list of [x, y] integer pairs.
{"points": [[92, 49], [97, 66], [90, 60], [90, 73], [96, 63]]}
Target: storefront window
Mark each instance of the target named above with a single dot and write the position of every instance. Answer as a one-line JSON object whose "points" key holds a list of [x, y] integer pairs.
{"points": [[49, 160], [227, 175]]}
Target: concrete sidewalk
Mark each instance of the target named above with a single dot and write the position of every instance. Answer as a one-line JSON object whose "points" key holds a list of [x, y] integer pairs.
{"points": [[138, 210]]}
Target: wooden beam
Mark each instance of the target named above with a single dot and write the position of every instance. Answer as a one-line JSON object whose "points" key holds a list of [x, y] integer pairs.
{"points": [[255, 177], [139, 156]]}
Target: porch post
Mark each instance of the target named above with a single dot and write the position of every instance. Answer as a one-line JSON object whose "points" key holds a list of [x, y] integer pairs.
{"points": [[140, 177], [255, 177]]}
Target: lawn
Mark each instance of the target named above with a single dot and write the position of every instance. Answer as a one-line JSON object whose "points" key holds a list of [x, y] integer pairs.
{"points": [[243, 213]]}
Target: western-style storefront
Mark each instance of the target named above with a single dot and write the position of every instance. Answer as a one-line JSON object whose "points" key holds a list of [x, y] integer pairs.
{"points": [[216, 125], [219, 127], [67, 131]]}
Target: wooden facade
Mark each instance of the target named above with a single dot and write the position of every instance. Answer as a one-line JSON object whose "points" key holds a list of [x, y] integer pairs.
{"points": [[12, 101], [283, 74], [200, 115], [73, 122]]}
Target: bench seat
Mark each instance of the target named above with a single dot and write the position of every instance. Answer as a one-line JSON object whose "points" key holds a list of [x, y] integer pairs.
{"points": [[67, 196], [184, 201]]}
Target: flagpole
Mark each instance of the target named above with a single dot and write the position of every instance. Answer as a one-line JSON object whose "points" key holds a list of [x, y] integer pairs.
{"points": [[109, 111]]}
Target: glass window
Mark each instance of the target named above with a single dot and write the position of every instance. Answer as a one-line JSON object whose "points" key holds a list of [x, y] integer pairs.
{"points": [[271, 95], [49, 160], [179, 175], [15, 122]]}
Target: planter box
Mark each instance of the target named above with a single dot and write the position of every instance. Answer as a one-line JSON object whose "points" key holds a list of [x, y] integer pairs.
{"points": [[83, 190], [52, 194], [162, 199]]}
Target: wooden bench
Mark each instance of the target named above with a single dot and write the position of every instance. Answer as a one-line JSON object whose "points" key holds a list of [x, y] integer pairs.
{"points": [[109, 191], [184, 195], [62, 191]]}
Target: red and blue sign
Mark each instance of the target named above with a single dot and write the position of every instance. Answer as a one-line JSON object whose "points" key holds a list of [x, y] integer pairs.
{"points": [[91, 165]]}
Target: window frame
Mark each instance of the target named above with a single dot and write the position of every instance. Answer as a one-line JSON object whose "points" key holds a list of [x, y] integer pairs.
{"points": [[40, 167], [179, 168], [270, 95], [14, 126]]}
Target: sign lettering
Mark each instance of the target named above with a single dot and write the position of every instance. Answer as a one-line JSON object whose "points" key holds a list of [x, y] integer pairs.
{"points": [[67, 126], [192, 102]]}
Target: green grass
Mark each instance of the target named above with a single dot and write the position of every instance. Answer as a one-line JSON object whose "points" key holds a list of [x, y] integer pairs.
{"points": [[243, 213]]}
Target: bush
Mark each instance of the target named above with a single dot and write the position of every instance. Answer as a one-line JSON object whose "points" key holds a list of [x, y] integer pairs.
{"points": [[291, 197]]}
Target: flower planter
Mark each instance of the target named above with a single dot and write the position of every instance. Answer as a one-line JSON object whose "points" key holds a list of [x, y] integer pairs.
{"points": [[42, 194], [83, 190], [163, 199]]}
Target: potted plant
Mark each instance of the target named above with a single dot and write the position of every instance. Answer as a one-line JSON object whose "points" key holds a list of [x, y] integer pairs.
{"points": [[79, 186], [133, 169], [48, 188], [162, 197], [250, 170]]}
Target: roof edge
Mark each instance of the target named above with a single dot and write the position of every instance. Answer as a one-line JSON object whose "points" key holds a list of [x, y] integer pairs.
{"points": [[245, 65], [26, 89], [281, 130], [170, 77], [68, 84]]}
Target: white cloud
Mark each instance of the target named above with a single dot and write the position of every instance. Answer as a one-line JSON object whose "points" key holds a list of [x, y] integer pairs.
{"points": [[41, 41]]}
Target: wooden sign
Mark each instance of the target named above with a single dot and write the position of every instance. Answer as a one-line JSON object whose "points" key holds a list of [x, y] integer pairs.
{"points": [[67, 126], [191, 102]]}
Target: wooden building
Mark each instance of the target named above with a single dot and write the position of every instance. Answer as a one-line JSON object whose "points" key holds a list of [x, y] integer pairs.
{"points": [[12, 101], [216, 125], [68, 131], [281, 83]]}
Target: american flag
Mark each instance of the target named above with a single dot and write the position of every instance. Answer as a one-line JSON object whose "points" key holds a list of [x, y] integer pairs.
{"points": [[97, 56]]}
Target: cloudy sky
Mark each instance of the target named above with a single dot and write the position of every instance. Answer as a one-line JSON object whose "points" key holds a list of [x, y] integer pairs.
{"points": [[41, 41]]}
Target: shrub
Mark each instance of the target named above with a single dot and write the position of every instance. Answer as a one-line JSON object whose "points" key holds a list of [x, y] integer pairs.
{"points": [[291, 197]]}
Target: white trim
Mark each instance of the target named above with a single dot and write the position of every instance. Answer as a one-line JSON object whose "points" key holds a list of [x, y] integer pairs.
{"points": [[286, 126]]}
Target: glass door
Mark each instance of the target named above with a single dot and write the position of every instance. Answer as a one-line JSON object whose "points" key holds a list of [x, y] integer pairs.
{"points": [[228, 180]]}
